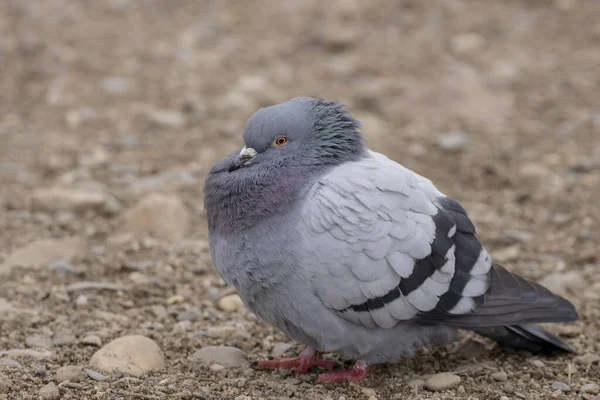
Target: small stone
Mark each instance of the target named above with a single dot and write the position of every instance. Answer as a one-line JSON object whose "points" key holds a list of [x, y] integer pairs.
{"points": [[175, 299], [27, 353], [5, 306], [537, 363], [279, 349], [94, 375], [92, 340], [37, 342], [230, 303], [416, 383], [41, 253], [172, 179], [62, 268], [443, 381], [225, 355], [182, 326], [589, 388], [80, 301], [168, 118], [563, 387], [570, 369], [453, 141], [132, 355], [162, 215], [563, 282], [368, 392], [373, 398], [217, 367], [221, 331], [70, 373], [499, 376], [190, 315], [60, 199], [5, 384], [504, 398], [466, 42], [588, 358], [49, 392], [10, 364], [116, 85]]}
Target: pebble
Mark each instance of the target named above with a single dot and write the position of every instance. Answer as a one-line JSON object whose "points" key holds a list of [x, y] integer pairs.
{"points": [[10, 364], [132, 355], [92, 340], [94, 375], [466, 42], [230, 303], [504, 398], [79, 200], [164, 216], [217, 367], [171, 179], [42, 252], [38, 342], [168, 118], [561, 283], [81, 286], [116, 85], [453, 141], [5, 306], [570, 369], [368, 392], [221, 331], [49, 392], [70, 373], [182, 326], [443, 381], [499, 376], [192, 315], [563, 387], [537, 363], [589, 388], [417, 383], [5, 384], [279, 349], [27, 353], [588, 358], [62, 268], [225, 355]]}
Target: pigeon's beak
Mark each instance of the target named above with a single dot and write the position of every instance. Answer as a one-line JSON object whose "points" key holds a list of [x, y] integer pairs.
{"points": [[246, 155]]}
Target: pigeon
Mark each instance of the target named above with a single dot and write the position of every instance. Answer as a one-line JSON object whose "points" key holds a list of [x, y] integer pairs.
{"points": [[349, 252]]}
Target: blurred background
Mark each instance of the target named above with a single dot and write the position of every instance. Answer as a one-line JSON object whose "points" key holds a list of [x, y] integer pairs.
{"points": [[111, 113]]}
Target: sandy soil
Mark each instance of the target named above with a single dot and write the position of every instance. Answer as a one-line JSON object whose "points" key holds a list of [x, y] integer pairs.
{"points": [[103, 103]]}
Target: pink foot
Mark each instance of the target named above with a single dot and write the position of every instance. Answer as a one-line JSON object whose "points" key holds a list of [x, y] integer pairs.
{"points": [[301, 364], [356, 373]]}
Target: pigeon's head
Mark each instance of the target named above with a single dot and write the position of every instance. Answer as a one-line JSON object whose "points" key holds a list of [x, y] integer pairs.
{"points": [[302, 130]]}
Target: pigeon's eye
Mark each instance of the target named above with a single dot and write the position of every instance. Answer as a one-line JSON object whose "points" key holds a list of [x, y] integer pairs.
{"points": [[280, 140]]}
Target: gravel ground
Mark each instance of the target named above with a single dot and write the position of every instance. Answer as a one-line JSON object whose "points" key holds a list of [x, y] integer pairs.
{"points": [[111, 113]]}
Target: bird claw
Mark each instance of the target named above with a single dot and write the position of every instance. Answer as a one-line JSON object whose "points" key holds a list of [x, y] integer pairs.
{"points": [[301, 364], [356, 373]]}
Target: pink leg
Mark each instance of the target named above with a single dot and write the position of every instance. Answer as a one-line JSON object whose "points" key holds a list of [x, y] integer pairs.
{"points": [[301, 364], [359, 370]]}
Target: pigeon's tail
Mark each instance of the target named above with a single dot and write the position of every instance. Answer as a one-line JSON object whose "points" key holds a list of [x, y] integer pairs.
{"points": [[512, 307], [530, 337]]}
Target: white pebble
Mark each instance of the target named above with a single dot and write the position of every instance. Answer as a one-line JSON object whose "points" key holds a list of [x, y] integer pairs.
{"points": [[443, 381]]}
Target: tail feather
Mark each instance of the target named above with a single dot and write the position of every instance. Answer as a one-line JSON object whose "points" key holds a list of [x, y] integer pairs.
{"points": [[513, 305], [530, 337]]}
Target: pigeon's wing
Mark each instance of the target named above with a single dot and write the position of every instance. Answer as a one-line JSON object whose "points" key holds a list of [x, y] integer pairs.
{"points": [[384, 245]]}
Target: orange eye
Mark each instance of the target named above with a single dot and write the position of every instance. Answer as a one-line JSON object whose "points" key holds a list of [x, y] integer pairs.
{"points": [[281, 140]]}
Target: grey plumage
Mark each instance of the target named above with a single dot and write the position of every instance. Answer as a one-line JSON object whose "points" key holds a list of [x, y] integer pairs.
{"points": [[347, 251]]}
